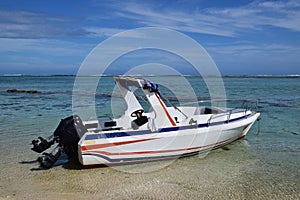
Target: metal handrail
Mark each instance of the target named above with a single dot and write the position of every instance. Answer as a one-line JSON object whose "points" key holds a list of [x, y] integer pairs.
{"points": [[245, 107], [255, 108], [214, 116]]}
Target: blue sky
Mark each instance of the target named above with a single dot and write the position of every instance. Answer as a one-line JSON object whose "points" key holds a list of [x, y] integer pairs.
{"points": [[243, 37]]}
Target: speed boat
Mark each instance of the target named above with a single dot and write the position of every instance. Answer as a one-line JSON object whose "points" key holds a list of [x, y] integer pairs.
{"points": [[165, 131]]}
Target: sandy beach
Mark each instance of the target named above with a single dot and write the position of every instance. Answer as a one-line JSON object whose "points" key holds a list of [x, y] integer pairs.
{"points": [[230, 173]]}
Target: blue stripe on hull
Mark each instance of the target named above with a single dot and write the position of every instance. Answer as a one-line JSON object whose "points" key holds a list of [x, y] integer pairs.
{"points": [[163, 130]]}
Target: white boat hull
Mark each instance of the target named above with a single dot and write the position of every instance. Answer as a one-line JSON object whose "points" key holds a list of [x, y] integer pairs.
{"points": [[120, 147]]}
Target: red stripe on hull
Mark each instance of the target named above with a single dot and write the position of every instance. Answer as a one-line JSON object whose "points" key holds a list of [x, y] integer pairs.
{"points": [[164, 151], [97, 146]]}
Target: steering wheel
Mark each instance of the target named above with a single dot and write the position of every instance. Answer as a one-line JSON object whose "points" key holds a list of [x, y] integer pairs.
{"points": [[137, 113]]}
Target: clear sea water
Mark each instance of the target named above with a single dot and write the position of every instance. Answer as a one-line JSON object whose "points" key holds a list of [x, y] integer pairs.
{"points": [[263, 166]]}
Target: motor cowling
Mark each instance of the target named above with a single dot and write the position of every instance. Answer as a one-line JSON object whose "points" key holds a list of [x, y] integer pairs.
{"points": [[67, 135]]}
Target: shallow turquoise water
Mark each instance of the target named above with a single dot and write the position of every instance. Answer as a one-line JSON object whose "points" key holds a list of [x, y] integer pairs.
{"points": [[268, 161]]}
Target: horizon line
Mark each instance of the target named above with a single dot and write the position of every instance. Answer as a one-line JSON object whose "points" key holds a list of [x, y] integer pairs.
{"points": [[108, 75]]}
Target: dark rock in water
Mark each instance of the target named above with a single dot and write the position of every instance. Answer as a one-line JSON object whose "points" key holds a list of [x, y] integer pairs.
{"points": [[23, 91]]}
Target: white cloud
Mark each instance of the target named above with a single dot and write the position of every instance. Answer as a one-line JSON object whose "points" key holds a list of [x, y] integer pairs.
{"points": [[100, 32], [246, 48], [227, 21], [217, 21], [41, 55], [174, 19], [25, 24], [44, 46]]}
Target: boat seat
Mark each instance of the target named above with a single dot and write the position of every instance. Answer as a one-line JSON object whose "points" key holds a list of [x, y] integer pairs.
{"points": [[209, 110], [110, 123], [140, 121]]}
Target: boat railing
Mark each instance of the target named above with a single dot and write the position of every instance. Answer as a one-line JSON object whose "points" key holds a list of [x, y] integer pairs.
{"points": [[225, 108], [248, 104], [214, 116], [245, 103]]}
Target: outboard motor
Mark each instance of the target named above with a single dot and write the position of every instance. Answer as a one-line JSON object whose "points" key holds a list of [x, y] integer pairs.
{"points": [[67, 135]]}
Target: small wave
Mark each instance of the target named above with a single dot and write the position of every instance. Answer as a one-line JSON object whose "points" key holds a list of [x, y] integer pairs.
{"points": [[11, 75], [292, 132], [276, 103], [278, 76]]}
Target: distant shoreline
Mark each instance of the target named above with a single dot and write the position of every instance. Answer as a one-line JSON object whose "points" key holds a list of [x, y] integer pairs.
{"points": [[71, 75]]}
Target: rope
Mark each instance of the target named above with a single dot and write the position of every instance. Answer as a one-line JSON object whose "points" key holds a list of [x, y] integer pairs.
{"points": [[176, 108], [258, 126]]}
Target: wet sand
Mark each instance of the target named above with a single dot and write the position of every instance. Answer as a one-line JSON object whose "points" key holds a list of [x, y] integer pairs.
{"points": [[237, 172]]}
